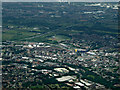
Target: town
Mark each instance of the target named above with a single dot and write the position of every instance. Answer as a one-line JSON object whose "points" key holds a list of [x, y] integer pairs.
{"points": [[31, 63], [60, 45]]}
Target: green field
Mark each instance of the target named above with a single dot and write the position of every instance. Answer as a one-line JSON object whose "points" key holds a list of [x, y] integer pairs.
{"points": [[15, 35]]}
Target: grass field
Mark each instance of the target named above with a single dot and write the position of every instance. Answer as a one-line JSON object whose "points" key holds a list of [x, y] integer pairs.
{"points": [[14, 35], [59, 38]]}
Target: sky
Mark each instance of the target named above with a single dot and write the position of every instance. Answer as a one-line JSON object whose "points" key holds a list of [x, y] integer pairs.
{"points": [[60, 0]]}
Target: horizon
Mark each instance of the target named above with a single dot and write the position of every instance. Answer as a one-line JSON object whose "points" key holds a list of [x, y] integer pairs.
{"points": [[60, 1]]}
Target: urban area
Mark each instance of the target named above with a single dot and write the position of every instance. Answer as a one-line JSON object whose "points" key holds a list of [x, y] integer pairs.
{"points": [[60, 45]]}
